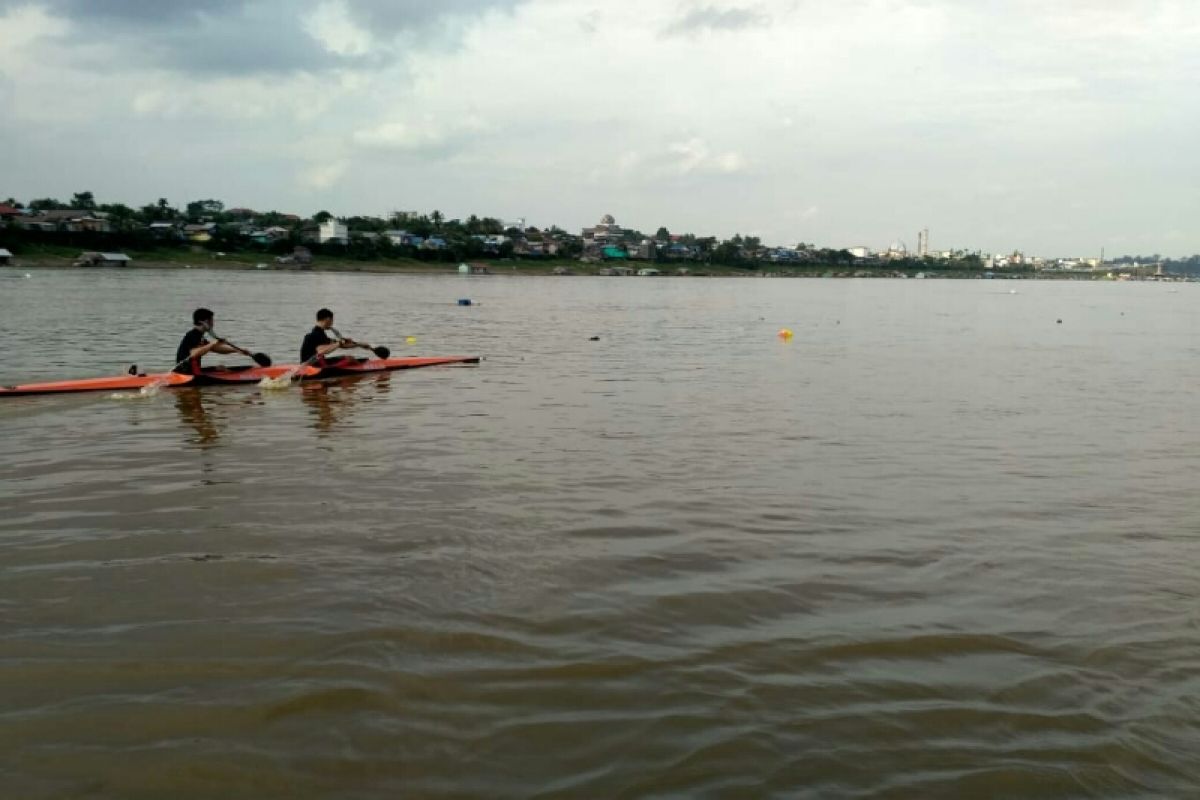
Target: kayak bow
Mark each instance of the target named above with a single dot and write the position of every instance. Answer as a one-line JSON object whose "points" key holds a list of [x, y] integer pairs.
{"points": [[222, 376]]}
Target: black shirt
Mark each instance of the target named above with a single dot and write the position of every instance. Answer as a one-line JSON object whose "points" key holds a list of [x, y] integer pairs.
{"points": [[191, 340], [315, 338]]}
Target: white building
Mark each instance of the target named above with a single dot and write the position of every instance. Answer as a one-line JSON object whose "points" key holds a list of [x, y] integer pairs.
{"points": [[607, 234], [859, 251], [333, 231]]}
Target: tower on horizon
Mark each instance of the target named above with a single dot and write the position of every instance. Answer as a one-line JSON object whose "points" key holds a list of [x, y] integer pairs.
{"points": [[923, 243]]}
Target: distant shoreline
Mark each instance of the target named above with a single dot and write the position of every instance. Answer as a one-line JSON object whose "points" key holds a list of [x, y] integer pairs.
{"points": [[207, 261]]}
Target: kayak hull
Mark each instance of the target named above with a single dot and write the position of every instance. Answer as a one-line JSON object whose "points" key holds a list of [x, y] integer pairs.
{"points": [[221, 376]]}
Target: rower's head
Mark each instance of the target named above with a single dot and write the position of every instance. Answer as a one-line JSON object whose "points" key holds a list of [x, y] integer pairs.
{"points": [[325, 318], [202, 317]]}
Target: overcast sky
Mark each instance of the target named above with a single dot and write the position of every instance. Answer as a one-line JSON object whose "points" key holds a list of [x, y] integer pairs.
{"points": [[1057, 128]]}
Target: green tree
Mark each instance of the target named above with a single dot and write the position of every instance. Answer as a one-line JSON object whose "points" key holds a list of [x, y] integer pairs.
{"points": [[322, 217], [662, 235], [437, 218], [12, 201], [160, 211], [46, 204], [420, 226], [198, 209], [83, 200], [121, 214], [728, 253]]}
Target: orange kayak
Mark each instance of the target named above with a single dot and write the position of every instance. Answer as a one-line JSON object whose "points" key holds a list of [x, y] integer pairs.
{"points": [[221, 376]]}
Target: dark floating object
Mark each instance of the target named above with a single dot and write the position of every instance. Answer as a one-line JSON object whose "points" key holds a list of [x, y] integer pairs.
{"points": [[594, 339], [132, 369], [464, 301], [1060, 322]]}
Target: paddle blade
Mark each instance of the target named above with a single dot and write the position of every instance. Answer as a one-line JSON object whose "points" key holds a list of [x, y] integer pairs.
{"points": [[262, 359], [382, 352]]}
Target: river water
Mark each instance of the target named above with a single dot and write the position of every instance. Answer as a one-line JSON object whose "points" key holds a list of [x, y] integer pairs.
{"points": [[937, 545]]}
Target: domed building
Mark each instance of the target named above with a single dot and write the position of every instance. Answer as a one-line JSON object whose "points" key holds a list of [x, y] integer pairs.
{"points": [[897, 250], [607, 234]]}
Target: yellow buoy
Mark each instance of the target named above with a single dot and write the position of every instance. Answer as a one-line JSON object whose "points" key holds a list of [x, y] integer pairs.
{"points": [[411, 340], [785, 334]]}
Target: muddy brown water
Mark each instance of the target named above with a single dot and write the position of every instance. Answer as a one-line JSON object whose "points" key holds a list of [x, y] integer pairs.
{"points": [[937, 545]]}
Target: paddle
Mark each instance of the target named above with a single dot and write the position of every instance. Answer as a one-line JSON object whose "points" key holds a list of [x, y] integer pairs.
{"points": [[381, 352], [285, 380], [262, 359]]}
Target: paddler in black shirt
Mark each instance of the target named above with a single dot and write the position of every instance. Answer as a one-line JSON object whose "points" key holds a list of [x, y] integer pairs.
{"points": [[195, 346], [318, 345]]}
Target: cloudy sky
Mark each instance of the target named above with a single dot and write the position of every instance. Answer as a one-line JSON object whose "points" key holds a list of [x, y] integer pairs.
{"points": [[1056, 127]]}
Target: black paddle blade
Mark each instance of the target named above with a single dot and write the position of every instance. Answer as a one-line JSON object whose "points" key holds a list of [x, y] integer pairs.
{"points": [[262, 359], [382, 352]]}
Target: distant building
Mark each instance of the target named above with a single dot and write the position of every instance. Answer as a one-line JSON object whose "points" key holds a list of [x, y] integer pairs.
{"points": [[5, 257], [69, 220], [200, 233], [331, 231], [403, 238], [102, 260], [608, 234], [859, 251], [646, 251]]}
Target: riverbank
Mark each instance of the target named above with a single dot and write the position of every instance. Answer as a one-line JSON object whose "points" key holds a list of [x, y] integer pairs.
{"points": [[59, 258]]}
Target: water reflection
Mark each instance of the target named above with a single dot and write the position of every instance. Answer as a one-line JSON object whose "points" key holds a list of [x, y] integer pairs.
{"points": [[192, 412], [333, 402]]}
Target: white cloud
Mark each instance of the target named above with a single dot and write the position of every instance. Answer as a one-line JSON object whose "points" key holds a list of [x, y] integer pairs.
{"points": [[323, 176], [695, 156], [422, 135], [330, 24]]}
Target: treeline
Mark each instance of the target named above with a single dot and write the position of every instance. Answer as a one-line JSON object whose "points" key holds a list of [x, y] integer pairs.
{"points": [[240, 230]]}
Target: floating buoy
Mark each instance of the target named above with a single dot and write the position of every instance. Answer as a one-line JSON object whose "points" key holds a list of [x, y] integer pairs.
{"points": [[785, 334], [411, 340], [594, 339], [1060, 322], [464, 301]]}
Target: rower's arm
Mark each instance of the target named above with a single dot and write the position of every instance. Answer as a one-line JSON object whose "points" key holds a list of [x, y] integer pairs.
{"points": [[326, 349], [226, 349], [202, 350]]}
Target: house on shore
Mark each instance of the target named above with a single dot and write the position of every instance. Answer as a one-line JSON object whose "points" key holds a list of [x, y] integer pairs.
{"points": [[69, 220], [5, 257], [90, 259], [200, 232]]}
